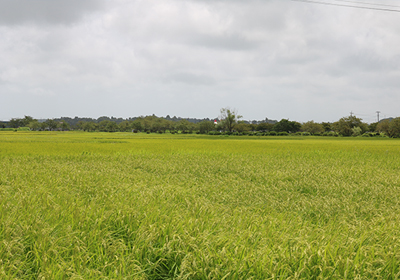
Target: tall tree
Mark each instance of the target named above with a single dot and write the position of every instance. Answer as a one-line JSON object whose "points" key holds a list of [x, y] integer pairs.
{"points": [[64, 125], [344, 125], [327, 126], [206, 126], [241, 126], [51, 124], [287, 126], [34, 125], [390, 127], [312, 127], [229, 117]]}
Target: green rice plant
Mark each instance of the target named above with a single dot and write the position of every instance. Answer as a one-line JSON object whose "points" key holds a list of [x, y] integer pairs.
{"points": [[79, 205]]}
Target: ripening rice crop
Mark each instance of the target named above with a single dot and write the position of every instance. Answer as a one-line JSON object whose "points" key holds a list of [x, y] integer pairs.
{"points": [[136, 206]]}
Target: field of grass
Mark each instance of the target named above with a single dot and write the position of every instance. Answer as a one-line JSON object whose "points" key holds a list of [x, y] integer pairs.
{"points": [[136, 206]]}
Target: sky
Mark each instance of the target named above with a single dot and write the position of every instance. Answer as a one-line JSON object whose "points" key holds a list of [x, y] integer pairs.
{"points": [[275, 59]]}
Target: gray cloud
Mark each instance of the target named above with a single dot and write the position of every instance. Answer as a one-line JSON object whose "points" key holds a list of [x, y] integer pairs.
{"points": [[275, 59], [45, 11], [190, 78]]}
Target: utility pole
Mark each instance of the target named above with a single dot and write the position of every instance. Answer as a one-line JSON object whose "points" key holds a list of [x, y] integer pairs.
{"points": [[351, 113], [378, 112]]}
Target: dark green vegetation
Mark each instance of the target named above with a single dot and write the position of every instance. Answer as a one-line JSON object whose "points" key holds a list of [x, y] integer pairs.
{"points": [[137, 206], [228, 123]]}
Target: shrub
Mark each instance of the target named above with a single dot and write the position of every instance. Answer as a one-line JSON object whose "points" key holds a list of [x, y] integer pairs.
{"points": [[332, 133], [356, 131], [273, 133], [283, 133]]}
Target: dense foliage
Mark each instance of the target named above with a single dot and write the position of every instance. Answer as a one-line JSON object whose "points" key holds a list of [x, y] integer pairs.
{"points": [[228, 123]]}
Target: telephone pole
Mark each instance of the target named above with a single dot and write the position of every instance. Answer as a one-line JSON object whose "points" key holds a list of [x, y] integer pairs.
{"points": [[378, 112]]}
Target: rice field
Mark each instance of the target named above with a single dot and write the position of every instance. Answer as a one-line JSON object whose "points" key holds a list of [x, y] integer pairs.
{"points": [[79, 205]]}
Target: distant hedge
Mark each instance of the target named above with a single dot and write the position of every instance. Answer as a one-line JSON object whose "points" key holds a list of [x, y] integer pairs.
{"points": [[15, 129]]}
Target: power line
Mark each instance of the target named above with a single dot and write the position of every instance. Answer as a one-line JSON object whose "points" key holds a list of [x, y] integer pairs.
{"points": [[366, 3], [349, 6]]}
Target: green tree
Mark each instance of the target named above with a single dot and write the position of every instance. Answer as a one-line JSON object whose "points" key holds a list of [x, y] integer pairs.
{"points": [[390, 127], [372, 127], [26, 120], [344, 125], [356, 131], [242, 127], [160, 125], [168, 125], [137, 125], [34, 125], [383, 126], [206, 126], [229, 118], [285, 125], [43, 126], [125, 126], [64, 125], [89, 126], [108, 126], [80, 125], [264, 126], [184, 126], [51, 124], [394, 128], [327, 126], [112, 126], [147, 123], [312, 127], [15, 123]]}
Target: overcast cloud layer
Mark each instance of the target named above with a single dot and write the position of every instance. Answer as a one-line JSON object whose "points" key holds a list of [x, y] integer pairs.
{"points": [[189, 58]]}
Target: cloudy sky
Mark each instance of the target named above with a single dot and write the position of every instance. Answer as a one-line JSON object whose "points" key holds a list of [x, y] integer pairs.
{"points": [[267, 58]]}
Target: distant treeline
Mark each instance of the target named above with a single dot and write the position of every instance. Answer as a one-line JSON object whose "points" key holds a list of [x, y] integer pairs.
{"points": [[228, 124], [74, 121]]}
